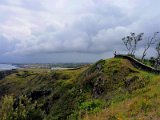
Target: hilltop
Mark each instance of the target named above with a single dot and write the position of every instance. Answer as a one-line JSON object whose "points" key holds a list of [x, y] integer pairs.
{"points": [[109, 89]]}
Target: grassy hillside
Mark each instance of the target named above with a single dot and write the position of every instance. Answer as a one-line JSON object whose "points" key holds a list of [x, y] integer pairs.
{"points": [[109, 89]]}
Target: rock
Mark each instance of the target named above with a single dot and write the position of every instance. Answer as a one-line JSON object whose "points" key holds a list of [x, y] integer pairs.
{"points": [[131, 80], [98, 88]]}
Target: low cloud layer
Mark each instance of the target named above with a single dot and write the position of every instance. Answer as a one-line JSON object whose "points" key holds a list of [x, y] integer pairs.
{"points": [[70, 30]]}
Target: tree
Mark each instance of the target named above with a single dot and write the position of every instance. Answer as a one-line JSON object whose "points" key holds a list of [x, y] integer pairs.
{"points": [[158, 50], [151, 41], [131, 42], [157, 64]]}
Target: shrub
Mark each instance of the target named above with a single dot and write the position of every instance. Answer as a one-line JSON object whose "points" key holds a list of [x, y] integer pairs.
{"points": [[92, 106], [19, 109], [7, 108]]}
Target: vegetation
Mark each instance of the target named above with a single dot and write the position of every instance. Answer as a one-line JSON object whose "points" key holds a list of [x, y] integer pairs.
{"points": [[151, 41], [108, 89], [20, 109], [131, 43]]}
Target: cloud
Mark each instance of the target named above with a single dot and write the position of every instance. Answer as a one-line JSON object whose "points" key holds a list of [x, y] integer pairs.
{"points": [[95, 28]]}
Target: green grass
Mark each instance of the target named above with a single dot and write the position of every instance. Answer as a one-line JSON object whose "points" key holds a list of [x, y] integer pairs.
{"points": [[111, 88]]}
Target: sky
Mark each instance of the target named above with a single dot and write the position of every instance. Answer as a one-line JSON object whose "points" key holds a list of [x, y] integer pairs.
{"points": [[49, 31]]}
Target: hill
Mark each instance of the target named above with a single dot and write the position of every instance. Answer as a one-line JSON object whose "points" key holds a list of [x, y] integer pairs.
{"points": [[109, 89]]}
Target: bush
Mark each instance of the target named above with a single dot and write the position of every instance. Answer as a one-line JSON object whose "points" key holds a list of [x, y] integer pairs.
{"points": [[20, 109], [92, 106], [7, 108]]}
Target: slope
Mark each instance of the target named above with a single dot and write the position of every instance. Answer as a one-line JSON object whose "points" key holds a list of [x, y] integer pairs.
{"points": [[100, 91]]}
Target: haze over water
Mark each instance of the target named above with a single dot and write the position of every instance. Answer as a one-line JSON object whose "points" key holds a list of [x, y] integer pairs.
{"points": [[7, 67]]}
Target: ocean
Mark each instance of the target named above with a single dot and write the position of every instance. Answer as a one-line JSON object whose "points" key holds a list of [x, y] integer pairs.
{"points": [[7, 67]]}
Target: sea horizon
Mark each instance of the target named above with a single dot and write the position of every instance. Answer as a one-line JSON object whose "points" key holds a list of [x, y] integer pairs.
{"points": [[7, 67]]}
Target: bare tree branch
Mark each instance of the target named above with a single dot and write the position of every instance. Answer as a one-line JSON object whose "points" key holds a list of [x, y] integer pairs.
{"points": [[150, 41], [131, 42], [157, 64]]}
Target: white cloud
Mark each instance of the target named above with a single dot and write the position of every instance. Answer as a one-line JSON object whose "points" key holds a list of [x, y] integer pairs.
{"points": [[67, 26]]}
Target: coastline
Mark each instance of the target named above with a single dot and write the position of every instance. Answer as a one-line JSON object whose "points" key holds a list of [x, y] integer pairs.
{"points": [[4, 67]]}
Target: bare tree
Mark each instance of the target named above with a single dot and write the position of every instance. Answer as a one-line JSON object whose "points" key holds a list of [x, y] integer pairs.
{"points": [[131, 42], [127, 42], [158, 50], [150, 41], [157, 64], [136, 39]]}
